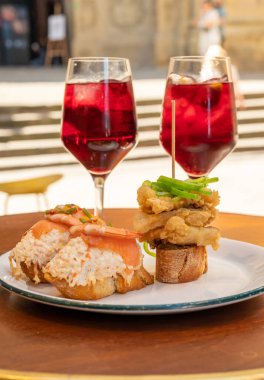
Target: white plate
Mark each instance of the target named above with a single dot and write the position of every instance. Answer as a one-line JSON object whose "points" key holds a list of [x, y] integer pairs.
{"points": [[236, 273]]}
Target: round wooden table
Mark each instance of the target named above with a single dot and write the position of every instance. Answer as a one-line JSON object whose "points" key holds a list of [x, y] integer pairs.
{"points": [[44, 339]]}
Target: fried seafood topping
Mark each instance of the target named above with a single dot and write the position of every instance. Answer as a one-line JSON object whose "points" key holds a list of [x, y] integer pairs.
{"points": [[152, 203], [177, 212], [177, 232], [192, 217]]}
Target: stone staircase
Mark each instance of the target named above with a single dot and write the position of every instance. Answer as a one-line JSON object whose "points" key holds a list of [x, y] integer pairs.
{"points": [[30, 136]]}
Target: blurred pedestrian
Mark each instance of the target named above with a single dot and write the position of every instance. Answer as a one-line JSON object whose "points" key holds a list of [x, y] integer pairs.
{"points": [[220, 7], [208, 24], [57, 47], [57, 24], [218, 51], [37, 54]]}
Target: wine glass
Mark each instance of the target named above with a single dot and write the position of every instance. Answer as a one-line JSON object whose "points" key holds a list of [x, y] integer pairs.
{"points": [[205, 112], [99, 124]]}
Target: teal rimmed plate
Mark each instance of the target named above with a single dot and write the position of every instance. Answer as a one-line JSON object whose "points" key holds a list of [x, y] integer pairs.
{"points": [[236, 273]]}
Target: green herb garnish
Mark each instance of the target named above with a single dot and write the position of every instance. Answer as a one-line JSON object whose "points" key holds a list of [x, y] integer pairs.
{"points": [[70, 211], [87, 213], [175, 188], [82, 220], [147, 250]]}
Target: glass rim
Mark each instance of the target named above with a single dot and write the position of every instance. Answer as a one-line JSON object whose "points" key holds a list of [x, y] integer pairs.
{"points": [[198, 58], [97, 59]]}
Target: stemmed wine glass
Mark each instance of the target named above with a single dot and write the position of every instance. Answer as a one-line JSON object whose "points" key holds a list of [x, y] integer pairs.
{"points": [[99, 124], [205, 112]]}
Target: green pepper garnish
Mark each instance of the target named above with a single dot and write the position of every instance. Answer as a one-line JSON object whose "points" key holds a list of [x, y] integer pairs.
{"points": [[87, 213], [188, 189], [147, 250]]}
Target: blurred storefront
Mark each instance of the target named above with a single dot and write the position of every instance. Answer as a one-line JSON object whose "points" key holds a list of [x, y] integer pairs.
{"points": [[23, 30]]}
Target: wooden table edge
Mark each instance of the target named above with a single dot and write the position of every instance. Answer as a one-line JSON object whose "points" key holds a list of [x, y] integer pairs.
{"points": [[253, 374], [131, 209]]}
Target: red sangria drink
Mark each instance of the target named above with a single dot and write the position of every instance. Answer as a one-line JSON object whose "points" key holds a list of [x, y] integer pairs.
{"points": [[205, 122], [99, 124]]}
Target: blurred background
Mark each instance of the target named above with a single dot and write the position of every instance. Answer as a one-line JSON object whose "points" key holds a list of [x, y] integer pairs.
{"points": [[36, 39], [147, 32]]}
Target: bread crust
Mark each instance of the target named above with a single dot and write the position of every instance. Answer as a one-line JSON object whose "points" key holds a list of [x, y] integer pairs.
{"points": [[33, 271], [102, 288], [177, 264], [140, 279], [93, 291]]}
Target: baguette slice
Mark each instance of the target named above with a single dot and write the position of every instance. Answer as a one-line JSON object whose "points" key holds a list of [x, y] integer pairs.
{"points": [[102, 288], [176, 264]]}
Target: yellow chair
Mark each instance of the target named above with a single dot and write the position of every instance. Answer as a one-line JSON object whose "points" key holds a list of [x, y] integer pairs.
{"points": [[38, 186]]}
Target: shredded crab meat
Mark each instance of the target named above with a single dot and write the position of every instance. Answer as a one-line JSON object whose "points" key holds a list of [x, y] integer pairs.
{"points": [[36, 251], [79, 264]]}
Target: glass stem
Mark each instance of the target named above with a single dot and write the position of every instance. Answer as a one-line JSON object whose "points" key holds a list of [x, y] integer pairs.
{"points": [[99, 196]]}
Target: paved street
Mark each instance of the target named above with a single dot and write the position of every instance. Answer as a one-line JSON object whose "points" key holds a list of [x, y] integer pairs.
{"points": [[241, 174], [49, 93], [241, 184]]}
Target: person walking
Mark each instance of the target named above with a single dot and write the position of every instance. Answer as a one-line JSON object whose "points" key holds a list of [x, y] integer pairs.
{"points": [[219, 6], [208, 24]]}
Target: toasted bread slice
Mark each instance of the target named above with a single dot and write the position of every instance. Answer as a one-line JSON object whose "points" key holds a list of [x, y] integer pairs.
{"points": [[176, 264], [92, 291], [102, 288], [140, 279]]}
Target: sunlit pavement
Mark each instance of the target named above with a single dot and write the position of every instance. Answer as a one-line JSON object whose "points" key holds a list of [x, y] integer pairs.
{"points": [[50, 93], [241, 184], [241, 175]]}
